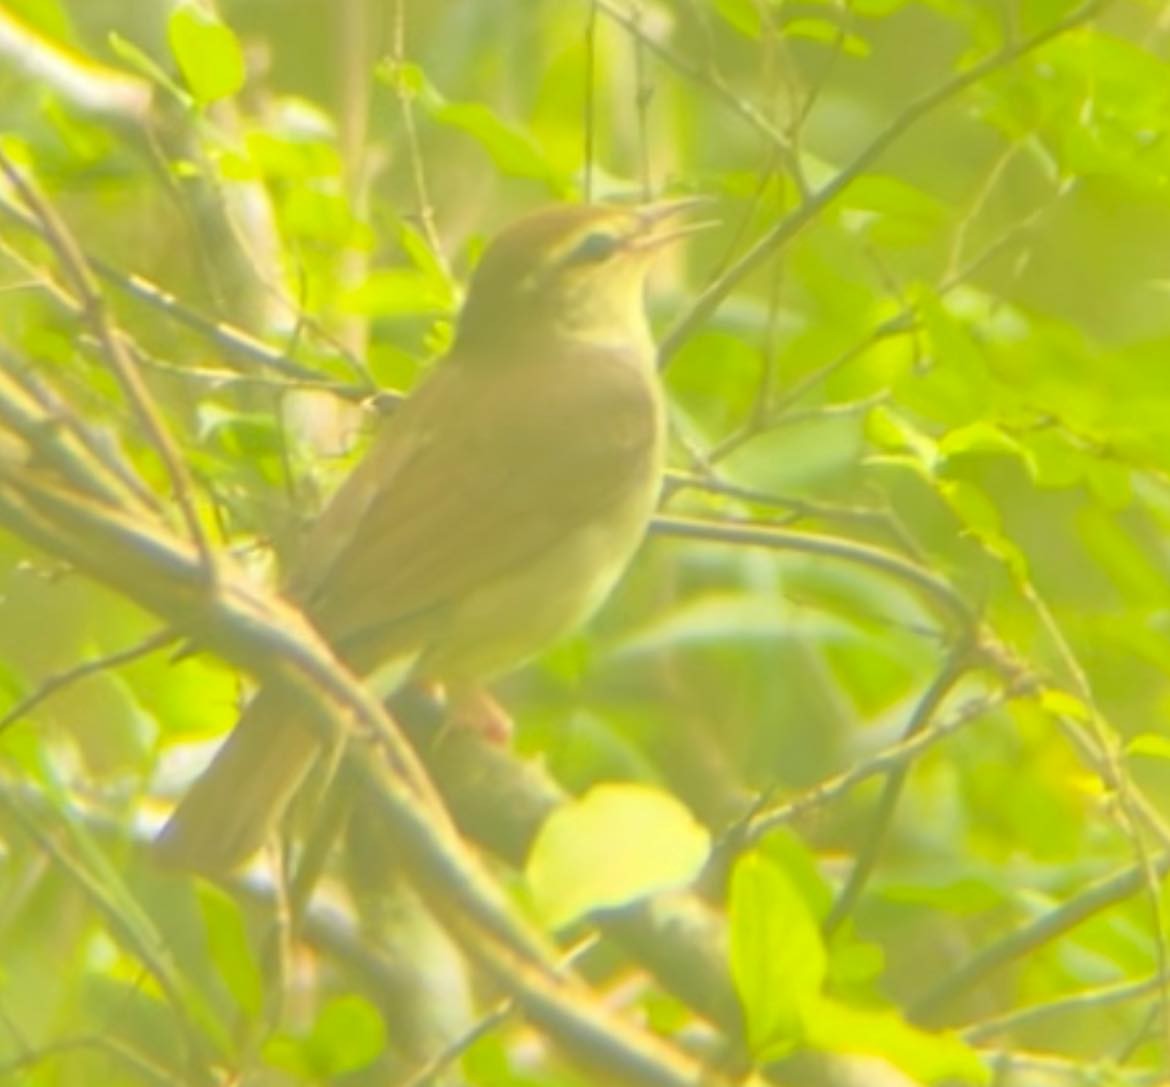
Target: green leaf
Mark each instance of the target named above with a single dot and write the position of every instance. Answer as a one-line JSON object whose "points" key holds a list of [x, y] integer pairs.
{"points": [[398, 292], [778, 960], [1151, 744], [712, 380], [930, 1058], [230, 949], [318, 210], [347, 1035], [144, 64], [955, 388], [1110, 482], [980, 437], [1137, 569], [196, 696], [250, 434], [951, 892], [1063, 704], [47, 16], [893, 212], [854, 963], [1053, 460], [890, 430], [981, 518], [207, 51], [741, 15], [785, 848], [416, 246], [615, 844], [513, 149], [828, 33]]}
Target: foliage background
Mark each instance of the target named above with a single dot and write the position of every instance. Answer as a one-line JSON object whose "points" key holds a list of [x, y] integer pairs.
{"points": [[931, 325]]}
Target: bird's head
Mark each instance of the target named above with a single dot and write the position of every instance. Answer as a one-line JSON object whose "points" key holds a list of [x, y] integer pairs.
{"points": [[573, 270]]}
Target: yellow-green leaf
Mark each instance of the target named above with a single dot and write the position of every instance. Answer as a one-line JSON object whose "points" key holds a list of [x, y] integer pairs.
{"points": [[227, 943], [617, 843], [928, 1058], [778, 959], [207, 51]]}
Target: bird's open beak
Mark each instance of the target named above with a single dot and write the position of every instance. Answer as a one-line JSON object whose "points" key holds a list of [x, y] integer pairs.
{"points": [[660, 225]]}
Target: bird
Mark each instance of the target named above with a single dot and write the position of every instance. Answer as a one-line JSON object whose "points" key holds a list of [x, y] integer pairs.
{"points": [[493, 513]]}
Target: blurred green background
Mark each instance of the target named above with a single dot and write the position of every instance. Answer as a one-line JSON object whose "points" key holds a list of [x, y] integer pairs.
{"points": [[954, 353]]}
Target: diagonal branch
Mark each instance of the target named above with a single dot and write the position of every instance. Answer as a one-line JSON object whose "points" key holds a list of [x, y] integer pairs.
{"points": [[940, 595], [145, 562], [48, 687], [77, 272], [787, 229]]}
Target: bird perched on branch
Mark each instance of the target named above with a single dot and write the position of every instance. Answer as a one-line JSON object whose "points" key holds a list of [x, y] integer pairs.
{"points": [[494, 513]]}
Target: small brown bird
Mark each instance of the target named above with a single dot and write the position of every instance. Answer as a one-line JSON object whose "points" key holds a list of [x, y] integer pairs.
{"points": [[493, 514]]}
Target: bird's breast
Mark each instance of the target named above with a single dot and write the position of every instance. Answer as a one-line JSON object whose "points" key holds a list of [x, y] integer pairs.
{"points": [[515, 616]]}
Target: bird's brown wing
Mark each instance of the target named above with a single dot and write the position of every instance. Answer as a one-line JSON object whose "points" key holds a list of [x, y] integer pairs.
{"points": [[486, 467], [480, 471]]}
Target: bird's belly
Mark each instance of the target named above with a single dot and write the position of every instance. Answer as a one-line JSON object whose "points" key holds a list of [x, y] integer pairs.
{"points": [[503, 623]]}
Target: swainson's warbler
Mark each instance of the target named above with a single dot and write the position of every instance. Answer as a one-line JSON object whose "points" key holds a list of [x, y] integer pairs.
{"points": [[494, 513]]}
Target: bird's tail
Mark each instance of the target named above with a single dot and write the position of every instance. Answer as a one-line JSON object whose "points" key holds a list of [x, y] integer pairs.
{"points": [[234, 806]]}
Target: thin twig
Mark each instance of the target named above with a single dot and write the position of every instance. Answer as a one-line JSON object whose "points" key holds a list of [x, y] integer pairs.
{"points": [[707, 80], [787, 229], [418, 177], [76, 270], [126, 924], [1098, 740], [1103, 894], [227, 379], [429, 1072], [885, 761], [939, 592], [956, 665], [56, 435], [233, 341], [905, 322], [708, 482], [47, 687], [140, 1063], [1091, 1000]]}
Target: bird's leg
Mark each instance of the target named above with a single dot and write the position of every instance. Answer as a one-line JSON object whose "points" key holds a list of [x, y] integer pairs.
{"points": [[472, 707], [478, 710]]}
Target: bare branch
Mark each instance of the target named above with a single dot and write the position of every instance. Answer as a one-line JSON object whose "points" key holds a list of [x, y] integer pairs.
{"points": [[1100, 896], [78, 672], [744, 534], [77, 272]]}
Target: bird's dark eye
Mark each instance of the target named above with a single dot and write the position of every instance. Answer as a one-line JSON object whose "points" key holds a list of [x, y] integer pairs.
{"points": [[594, 248]]}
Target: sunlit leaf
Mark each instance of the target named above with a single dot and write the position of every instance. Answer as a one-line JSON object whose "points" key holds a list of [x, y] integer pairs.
{"points": [[778, 960], [615, 844], [929, 1058], [230, 949], [1150, 744], [347, 1035], [208, 53]]}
